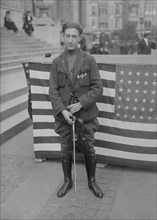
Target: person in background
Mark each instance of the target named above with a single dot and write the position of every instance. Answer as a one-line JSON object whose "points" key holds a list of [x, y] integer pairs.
{"points": [[95, 49], [74, 88], [146, 44], [8, 23], [83, 43], [27, 26]]}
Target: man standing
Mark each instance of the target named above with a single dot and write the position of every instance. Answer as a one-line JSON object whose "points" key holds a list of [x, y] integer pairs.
{"points": [[146, 44], [75, 76]]}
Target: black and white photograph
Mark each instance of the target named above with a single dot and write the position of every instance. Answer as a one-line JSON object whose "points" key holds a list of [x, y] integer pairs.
{"points": [[78, 114]]}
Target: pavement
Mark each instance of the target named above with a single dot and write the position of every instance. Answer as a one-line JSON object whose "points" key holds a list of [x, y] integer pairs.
{"points": [[28, 188]]}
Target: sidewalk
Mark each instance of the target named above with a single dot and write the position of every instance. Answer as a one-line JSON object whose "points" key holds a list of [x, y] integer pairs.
{"points": [[28, 189]]}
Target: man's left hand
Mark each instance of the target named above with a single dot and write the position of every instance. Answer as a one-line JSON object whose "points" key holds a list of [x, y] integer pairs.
{"points": [[74, 107]]}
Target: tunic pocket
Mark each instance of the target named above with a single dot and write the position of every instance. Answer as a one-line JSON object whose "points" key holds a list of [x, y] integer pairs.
{"points": [[62, 79]]}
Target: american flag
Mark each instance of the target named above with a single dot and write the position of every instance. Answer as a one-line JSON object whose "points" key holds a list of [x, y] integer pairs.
{"points": [[127, 117], [135, 98]]}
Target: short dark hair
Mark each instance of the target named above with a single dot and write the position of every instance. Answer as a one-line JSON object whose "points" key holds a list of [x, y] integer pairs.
{"points": [[72, 25]]}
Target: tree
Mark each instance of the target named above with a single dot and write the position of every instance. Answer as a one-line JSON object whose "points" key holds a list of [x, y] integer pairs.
{"points": [[128, 33]]}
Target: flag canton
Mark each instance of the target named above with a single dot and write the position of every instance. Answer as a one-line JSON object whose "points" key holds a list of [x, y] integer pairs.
{"points": [[135, 98]]}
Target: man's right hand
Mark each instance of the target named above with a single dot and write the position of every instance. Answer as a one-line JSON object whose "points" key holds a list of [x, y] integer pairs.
{"points": [[68, 116]]}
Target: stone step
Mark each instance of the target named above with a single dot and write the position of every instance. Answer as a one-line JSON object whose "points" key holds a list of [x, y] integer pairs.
{"points": [[13, 106], [21, 39], [16, 62], [15, 49], [14, 115], [11, 82], [20, 42], [14, 125], [27, 50], [15, 37], [13, 95], [14, 102], [20, 98], [22, 47], [24, 55], [11, 69], [9, 33]]}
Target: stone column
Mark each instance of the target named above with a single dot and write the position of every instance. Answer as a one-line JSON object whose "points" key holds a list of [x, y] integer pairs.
{"points": [[44, 27]]}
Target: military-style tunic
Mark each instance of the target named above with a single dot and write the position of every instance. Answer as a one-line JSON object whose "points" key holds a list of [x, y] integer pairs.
{"points": [[85, 84]]}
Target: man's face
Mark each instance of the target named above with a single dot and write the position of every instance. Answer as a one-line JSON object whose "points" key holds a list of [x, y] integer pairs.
{"points": [[71, 38]]}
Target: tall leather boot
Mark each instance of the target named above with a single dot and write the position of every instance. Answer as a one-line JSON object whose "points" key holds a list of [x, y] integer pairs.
{"points": [[66, 166], [90, 163]]}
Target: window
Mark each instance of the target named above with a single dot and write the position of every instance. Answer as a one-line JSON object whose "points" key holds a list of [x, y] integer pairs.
{"points": [[103, 10], [93, 23], [148, 24], [118, 9], [103, 25], [133, 9], [93, 9], [150, 9]]}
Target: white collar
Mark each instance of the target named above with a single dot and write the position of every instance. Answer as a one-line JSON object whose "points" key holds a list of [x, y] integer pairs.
{"points": [[146, 40]]}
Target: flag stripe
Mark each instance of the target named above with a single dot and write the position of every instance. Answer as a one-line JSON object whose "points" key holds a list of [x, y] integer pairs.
{"points": [[108, 83], [40, 90], [107, 67], [44, 132], [125, 140], [49, 139], [108, 76], [39, 75], [108, 92], [41, 105], [106, 99], [43, 125], [127, 133], [104, 114], [39, 66], [42, 112], [128, 125], [47, 147], [39, 82], [124, 147], [40, 97], [105, 107], [125, 154], [43, 118]]}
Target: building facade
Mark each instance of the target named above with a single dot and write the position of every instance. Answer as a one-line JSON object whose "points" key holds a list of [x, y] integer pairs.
{"points": [[95, 15], [110, 16]]}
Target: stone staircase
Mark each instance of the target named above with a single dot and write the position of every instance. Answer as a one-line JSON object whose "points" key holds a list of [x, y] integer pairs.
{"points": [[15, 49]]}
